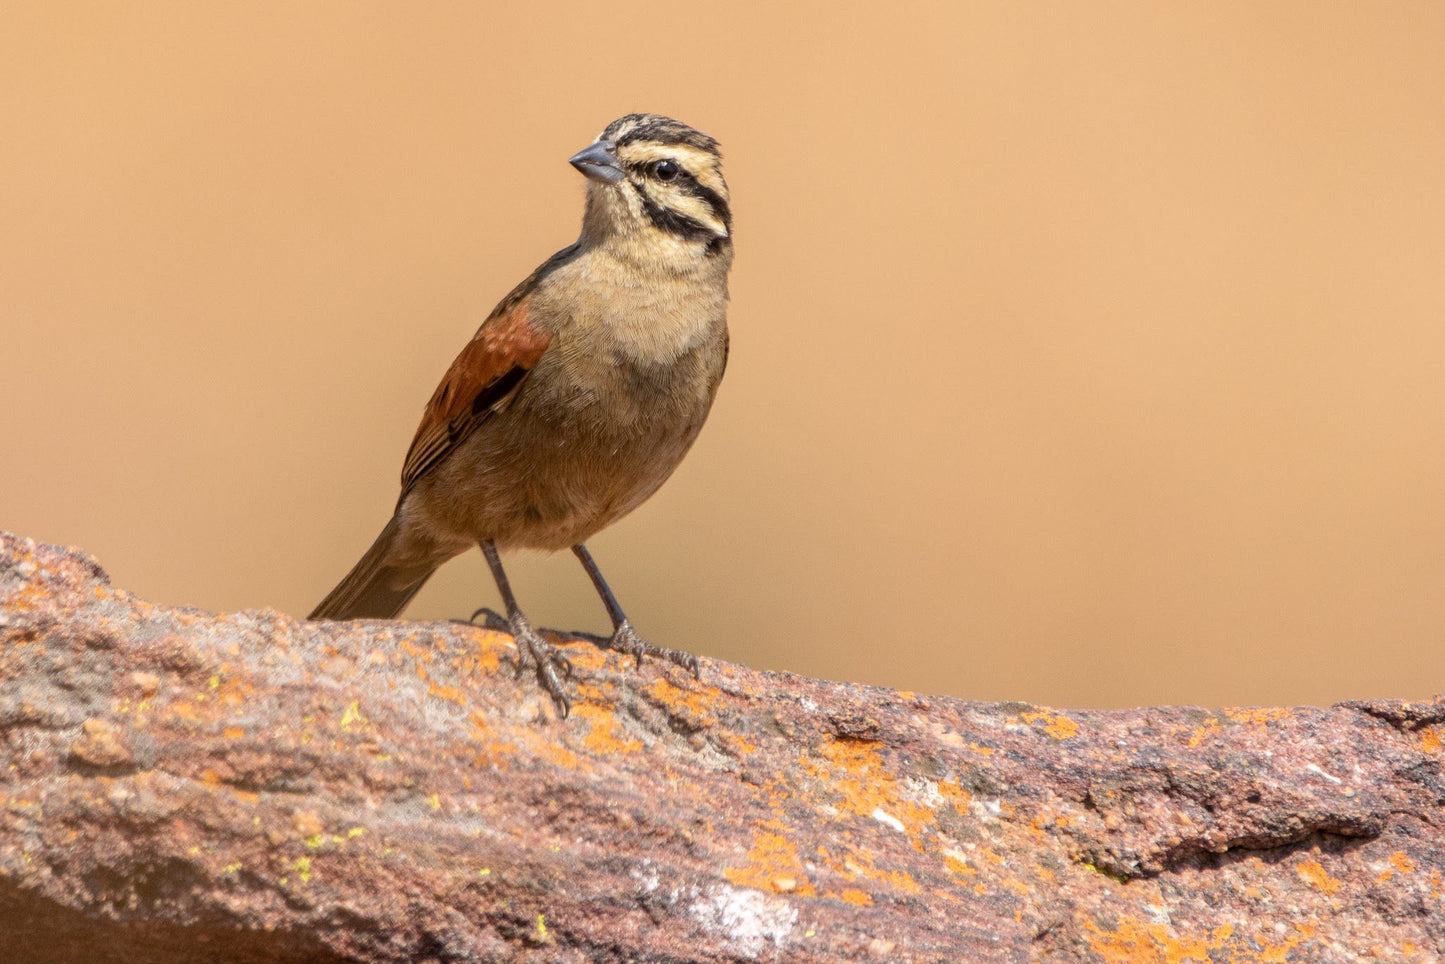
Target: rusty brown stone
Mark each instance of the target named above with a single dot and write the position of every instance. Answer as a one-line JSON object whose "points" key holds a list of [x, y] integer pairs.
{"points": [[177, 785], [100, 745]]}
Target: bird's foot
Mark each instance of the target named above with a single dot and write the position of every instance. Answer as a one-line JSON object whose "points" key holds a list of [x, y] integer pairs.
{"points": [[625, 639], [550, 664], [492, 619]]}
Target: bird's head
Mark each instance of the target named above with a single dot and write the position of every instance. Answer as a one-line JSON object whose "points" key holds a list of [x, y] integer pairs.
{"points": [[656, 192]]}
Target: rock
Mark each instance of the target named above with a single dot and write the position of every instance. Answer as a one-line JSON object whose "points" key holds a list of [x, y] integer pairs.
{"points": [[182, 786]]}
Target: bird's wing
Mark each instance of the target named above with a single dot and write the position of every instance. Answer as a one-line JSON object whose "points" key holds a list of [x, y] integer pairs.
{"points": [[483, 377]]}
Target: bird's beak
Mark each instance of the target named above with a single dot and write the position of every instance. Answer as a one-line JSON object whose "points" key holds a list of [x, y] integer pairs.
{"points": [[598, 162]]}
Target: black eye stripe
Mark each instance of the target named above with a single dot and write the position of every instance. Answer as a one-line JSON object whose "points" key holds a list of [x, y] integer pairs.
{"points": [[712, 199], [674, 222], [687, 184]]}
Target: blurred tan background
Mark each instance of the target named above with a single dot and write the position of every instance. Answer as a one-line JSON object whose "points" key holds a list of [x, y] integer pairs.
{"points": [[1086, 354]]}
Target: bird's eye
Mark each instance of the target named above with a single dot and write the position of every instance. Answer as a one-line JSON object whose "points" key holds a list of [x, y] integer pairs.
{"points": [[666, 170]]}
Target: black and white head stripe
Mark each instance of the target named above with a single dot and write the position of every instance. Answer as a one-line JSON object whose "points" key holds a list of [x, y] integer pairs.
{"points": [[656, 129], [675, 172]]}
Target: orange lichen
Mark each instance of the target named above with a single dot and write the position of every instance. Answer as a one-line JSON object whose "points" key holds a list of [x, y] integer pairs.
{"points": [[854, 896], [955, 794], [559, 754], [865, 783], [450, 693], [234, 732], [487, 660], [1259, 716], [604, 735], [772, 857], [1399, 862], [1314, 874], [1209, 728], [858, 863], [1134, 942], [1057, 726], [690, 703], [1430, 739], [739, 744], [421, 654], [957, 865]]}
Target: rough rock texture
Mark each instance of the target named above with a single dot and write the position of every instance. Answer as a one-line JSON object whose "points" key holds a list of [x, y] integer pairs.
{"points": [[249, 787]]}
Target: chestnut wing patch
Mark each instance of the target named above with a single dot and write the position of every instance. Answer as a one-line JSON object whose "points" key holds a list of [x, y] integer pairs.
{"points": [[484, 375]]}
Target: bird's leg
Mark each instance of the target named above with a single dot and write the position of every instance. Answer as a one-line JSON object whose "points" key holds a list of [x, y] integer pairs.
{"points": [[625, 639], [529, 641]]}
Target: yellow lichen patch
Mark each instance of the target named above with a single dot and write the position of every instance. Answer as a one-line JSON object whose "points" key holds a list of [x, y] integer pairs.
{"points": [[605, 734], [351, 716], [228, 690], [1314, 874], [302, 866], [865, 783], [1201, 733], [1057, 726], [772, 857]]}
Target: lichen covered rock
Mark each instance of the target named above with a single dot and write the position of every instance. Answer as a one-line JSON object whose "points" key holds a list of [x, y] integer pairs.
{"points": [[178, 785]]}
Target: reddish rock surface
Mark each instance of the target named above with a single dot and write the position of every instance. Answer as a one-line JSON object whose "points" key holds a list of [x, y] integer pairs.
{"points": [[178, 785]]}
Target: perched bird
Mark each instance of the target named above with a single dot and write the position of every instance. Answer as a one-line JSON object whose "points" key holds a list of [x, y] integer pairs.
{"points": [[579, 394]]}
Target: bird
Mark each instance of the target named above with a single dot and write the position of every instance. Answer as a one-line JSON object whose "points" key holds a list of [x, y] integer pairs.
{"points": [[579, 394]]}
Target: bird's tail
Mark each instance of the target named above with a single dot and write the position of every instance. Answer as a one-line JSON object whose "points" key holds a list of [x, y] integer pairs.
{"points": [[376, 588]]}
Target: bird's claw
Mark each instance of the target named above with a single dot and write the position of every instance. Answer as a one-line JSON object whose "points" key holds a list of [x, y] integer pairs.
{"points": [[531, 647], [494, 619], [627, 640]]}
